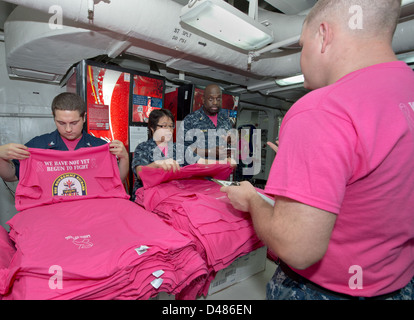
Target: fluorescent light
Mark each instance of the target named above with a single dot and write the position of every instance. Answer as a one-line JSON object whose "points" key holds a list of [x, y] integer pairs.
{"points": [[405, 2], [223, 21], [291, 80], [409, 60], [407, 57]]}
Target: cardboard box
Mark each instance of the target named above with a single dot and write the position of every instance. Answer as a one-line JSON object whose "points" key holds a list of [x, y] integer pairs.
{"points": [[241, 269], [164, 296]]}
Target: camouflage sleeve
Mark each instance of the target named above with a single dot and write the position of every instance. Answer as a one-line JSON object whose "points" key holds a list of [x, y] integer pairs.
{"points": [[142, 156]]}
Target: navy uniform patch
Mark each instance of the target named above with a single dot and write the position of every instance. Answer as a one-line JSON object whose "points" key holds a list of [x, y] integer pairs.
{"points": [[69, 184]]}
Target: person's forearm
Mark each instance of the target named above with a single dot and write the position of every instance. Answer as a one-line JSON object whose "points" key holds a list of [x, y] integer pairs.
{"points": [[123, 166], [261, 213], [296, 233], [7, 170], [270, 230]]}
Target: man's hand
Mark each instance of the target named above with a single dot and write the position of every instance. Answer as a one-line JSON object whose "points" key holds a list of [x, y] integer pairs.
{"points": [[14, 151], [118, 149], [241, 196], [167, 165], [274, 146], [9, 152]]}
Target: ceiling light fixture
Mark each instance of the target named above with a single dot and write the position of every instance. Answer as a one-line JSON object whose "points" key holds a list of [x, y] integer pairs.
{"points": [[405, 2], [406, 57], [290, 80], [223, 21]]}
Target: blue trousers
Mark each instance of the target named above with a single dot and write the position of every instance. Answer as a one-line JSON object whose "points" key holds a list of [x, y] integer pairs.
{"points": [[283, 287]]}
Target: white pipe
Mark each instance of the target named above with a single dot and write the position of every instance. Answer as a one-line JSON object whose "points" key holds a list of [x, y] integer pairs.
{"points": [[157, 22], [25, 115], [253, 9], [277, 45], [403, 40]]}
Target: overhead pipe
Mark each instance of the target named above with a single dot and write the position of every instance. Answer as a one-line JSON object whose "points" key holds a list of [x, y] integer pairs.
{"points": [[134, 21]]}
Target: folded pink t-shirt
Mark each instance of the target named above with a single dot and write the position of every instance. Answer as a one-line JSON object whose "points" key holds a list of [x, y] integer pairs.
{"points": [[105, 248], [154, 176]]}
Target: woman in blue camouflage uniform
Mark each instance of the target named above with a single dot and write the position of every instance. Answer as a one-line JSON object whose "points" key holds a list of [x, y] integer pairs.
{"points": [[158, 151]]}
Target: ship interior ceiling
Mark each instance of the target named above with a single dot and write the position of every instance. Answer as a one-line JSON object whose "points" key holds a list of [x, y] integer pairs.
{"points": [[177, 68], [165, 48]]}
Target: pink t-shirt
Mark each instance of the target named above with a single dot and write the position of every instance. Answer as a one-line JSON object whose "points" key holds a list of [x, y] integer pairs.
{"points": [[153, 176], [71, 144], [104, 249], [164, 149], [348, 149], [50, 176], [213, 119]]}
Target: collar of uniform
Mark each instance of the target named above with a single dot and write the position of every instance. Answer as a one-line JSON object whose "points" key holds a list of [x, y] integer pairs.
{"points": [[84, 141], [219, 113], [56, 142]]}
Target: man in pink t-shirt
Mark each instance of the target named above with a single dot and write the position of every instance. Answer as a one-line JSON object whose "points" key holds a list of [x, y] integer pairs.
{"points": [[342, 225]]}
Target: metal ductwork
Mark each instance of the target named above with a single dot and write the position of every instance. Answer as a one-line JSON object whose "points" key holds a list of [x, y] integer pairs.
{"points": [[39, 47]]}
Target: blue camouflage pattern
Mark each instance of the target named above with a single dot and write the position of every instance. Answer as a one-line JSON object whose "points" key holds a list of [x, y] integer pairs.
{"points": [[146, 153], [281, 287], [202, 123]]}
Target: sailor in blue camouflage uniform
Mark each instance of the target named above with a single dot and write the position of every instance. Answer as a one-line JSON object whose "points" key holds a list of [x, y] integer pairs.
{"points": [[210, 120], [148, 153]]}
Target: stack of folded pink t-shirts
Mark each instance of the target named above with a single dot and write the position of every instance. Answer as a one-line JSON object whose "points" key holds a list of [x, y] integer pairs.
{"points": [[7, 251], [194, 205], [105, 249], [86, 247]]}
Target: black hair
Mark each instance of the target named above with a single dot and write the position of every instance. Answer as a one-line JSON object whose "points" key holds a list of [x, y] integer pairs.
{"points": [[155, 116]]}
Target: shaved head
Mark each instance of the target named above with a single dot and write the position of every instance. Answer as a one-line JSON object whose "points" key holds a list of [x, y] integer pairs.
{"points": [[378, 18], [212, 99]]}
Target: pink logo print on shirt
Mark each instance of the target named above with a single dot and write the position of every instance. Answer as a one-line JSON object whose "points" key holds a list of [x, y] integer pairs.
{"points": [[83, 242]]}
